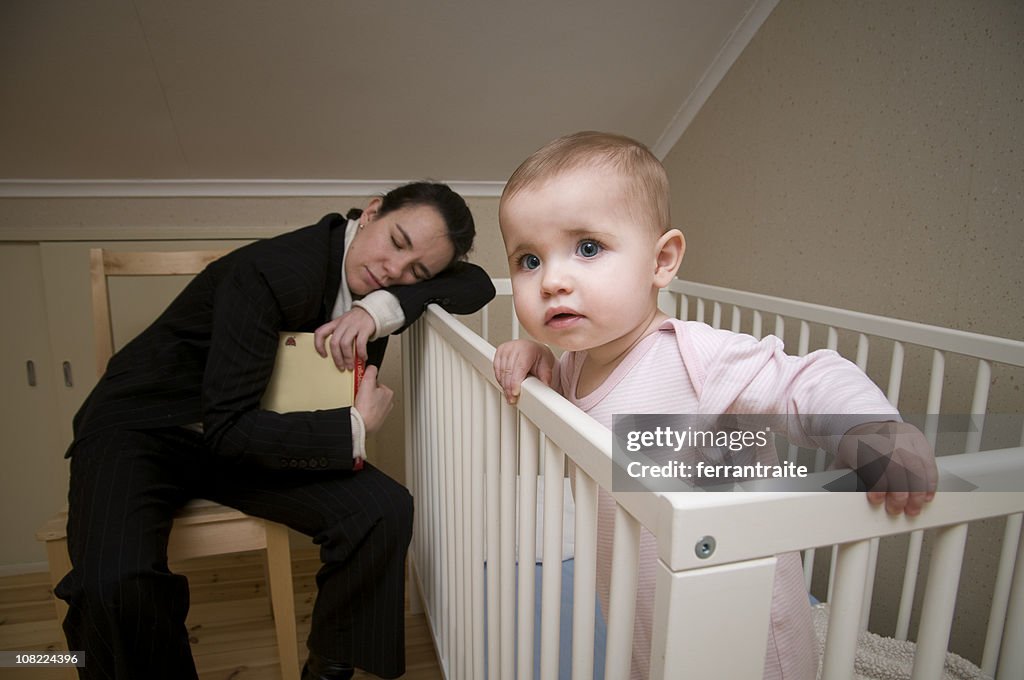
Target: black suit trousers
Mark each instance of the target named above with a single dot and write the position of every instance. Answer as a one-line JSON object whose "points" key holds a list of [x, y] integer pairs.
{"points": [[127, 610]]}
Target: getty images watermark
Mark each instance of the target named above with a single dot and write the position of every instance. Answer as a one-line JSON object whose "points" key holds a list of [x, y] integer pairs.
{"points": [[745, 452]]}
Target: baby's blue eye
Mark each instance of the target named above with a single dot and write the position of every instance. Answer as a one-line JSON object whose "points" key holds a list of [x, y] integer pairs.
{"points": [[588, 248], [529, 261]]}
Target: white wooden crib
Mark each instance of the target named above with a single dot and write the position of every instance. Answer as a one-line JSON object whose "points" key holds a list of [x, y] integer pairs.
{"points": [[466, 450]]}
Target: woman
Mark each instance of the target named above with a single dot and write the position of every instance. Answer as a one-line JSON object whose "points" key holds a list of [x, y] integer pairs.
{"points": [[176, 416]]}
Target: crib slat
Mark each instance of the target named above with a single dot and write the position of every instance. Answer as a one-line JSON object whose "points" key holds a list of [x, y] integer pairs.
{"points": [[780, 327], [716, 315], [493, 432], [939, 602], [507, 600], [832, 572], [1008, 559], [736, 323], [622, 599], [700, 310], [832, 342], [979, 404], [756, 324], [456, 540], [447, 537], [409, 361], [477, 520], [938, 374], [584, 577], [551, 572], [1011, 657], [862, 351], [808, 562], [869, 583], [436, 574], [844, 613], [803, 347], [463, 483], [528, 449], [909, 584], [895, 374], [804, 343]]}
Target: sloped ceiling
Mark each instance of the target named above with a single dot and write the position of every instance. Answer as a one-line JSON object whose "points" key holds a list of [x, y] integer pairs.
{"points": [[252, 89]]}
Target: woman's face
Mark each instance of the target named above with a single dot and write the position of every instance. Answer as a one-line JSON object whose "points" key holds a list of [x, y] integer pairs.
{"points": [[402, 247]]}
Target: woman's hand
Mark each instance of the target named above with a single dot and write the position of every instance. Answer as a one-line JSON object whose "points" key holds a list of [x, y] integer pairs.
{"points": [[348, 335], [373, 400], [895, 462], [516, 359]]}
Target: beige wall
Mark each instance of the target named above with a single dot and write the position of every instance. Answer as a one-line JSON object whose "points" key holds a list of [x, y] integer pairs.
{"points": [[866, 155], [870, 155]]}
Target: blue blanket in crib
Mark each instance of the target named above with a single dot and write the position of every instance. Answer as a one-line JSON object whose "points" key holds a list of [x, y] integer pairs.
{"points": [[565, 626]]}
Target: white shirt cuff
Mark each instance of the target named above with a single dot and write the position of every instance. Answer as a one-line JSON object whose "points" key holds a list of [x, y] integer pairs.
{"points": [[384, 309], [358, 435]]}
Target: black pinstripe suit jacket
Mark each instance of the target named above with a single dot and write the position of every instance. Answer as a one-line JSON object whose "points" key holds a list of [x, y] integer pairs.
{"points": [[209, 355]]}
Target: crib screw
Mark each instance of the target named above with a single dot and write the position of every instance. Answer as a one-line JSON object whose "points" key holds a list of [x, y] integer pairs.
{"points": [[705, 547]]}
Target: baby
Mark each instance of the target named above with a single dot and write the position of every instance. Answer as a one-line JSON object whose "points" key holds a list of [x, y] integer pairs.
{"points": [[587, 230]]}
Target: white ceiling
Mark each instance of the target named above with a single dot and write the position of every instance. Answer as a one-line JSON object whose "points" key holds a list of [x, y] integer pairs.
{"points": [[345, 89]]}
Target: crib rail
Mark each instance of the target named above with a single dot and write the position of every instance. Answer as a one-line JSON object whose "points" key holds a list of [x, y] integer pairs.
{"points": [[466, 449], [986, 347]]}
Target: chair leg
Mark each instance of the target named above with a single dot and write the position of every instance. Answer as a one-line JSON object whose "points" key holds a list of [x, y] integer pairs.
{"points": [[60, 564], [282, 599]]}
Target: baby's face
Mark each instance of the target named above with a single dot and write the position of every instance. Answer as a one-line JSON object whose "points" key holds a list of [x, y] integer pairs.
{"points": [[582, 267]]}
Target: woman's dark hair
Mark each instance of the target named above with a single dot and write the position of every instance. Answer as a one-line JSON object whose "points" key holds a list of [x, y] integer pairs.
{"points": [[449, 205]]}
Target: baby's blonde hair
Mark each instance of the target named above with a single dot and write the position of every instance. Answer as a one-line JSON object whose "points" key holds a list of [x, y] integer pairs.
{"points": [[645, 177]]}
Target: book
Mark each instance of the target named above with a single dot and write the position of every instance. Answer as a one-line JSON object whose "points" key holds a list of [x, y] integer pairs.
{"points": [[303, 380]]}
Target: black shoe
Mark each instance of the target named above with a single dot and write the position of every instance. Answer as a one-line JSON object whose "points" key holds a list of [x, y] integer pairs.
{"points": [[319, 668]]}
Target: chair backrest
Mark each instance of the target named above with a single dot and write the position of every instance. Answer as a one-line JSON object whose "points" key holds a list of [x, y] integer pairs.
{"points": [[106, 263]]}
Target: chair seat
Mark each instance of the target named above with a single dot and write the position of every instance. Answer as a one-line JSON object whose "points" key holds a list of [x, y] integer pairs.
{"points": [[201, 528]]}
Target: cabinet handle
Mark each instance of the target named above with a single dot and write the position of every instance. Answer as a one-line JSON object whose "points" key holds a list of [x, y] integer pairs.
{"points": [[30, 369], [68, 382]]}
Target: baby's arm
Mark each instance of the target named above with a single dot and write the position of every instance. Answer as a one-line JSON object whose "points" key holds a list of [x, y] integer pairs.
{"points": [[821, 393], [894, 461], [516, 359]]}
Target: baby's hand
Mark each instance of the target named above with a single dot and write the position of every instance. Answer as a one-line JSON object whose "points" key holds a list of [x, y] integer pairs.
{"points": [[895, 461], [349, 334], [516, 359]]}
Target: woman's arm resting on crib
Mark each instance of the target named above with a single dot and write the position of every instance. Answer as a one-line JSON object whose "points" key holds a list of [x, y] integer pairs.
{"points": [[895, 462], [516, 359]]}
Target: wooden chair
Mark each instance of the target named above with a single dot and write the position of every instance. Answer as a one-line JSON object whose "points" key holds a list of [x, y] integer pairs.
{"points": [[202, 528]]}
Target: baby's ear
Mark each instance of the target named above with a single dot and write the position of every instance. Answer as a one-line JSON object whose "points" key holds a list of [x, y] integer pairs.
{"points": [[669, 256]]}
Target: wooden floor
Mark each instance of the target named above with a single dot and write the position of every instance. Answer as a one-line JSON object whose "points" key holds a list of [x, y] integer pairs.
{"points": [[229, 622]]}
